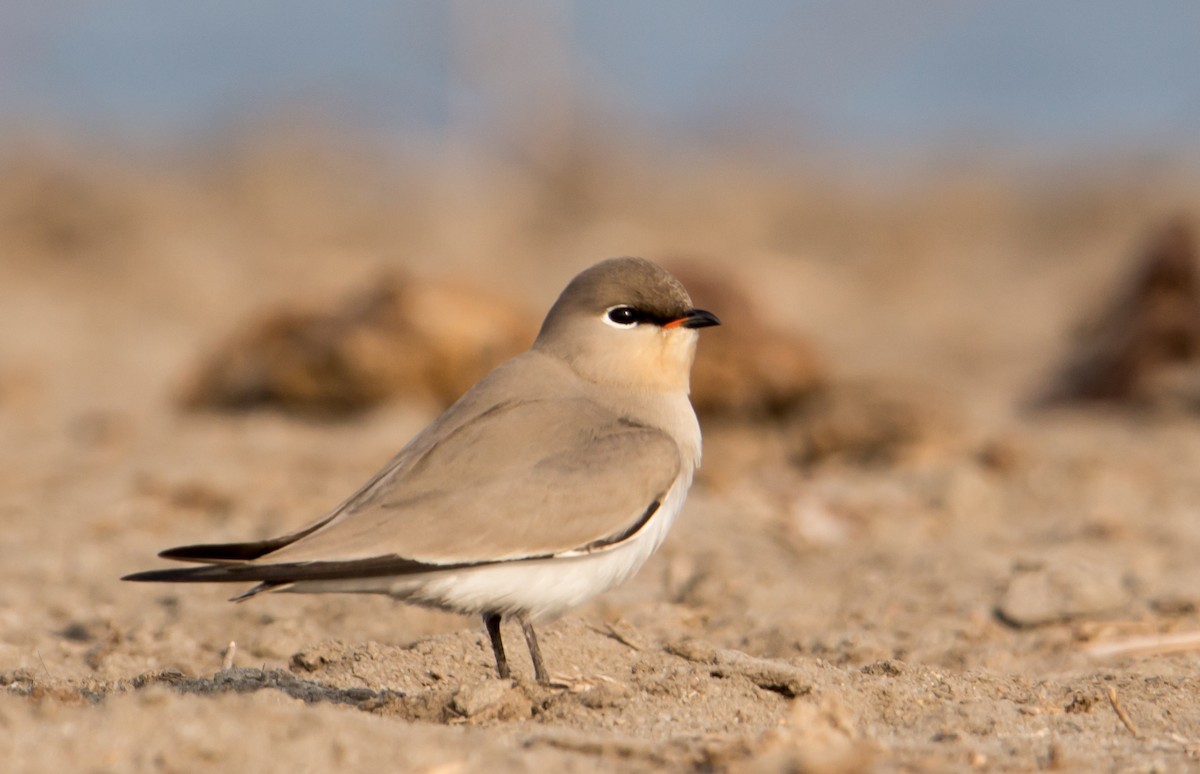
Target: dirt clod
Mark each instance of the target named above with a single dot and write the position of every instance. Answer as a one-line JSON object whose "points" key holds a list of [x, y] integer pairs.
{"points": [[398, 337], [1145, 344]]}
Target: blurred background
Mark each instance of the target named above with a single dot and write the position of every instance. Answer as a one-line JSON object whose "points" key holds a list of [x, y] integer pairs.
{"points": [[925, 188], [892, 83]]}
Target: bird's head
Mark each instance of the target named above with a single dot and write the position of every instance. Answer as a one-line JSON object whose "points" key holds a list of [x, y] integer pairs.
{"points": [[626, 321]]}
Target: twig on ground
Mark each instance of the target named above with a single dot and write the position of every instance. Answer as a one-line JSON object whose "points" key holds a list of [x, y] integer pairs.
{"points": [[42, 661], [1121, 713], [1151, 645]]}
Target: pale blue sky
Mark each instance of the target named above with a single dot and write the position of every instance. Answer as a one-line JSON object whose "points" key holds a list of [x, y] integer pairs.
{"points": [[882, 75]]}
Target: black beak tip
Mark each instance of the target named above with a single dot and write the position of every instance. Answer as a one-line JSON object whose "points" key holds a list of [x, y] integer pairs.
{"points": [[700, 318]]}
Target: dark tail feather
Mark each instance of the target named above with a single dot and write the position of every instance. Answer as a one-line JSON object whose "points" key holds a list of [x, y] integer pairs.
{"points": [[211, 574], [215, 574], [216, 553], [291, 572]]}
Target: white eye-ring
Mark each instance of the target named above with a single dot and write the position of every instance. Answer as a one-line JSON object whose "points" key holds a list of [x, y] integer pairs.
{"points": [[622, 316]]}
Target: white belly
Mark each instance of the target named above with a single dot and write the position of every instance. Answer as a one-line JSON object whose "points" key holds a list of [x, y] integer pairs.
{"points": [[540, 588]]}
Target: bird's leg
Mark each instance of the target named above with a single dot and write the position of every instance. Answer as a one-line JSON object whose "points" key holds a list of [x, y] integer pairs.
{"points": [[492, 622], [539, 668]]}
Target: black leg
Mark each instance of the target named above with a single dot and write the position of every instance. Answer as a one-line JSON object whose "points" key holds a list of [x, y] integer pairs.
{"points": [[539, 668], [492, 622]]}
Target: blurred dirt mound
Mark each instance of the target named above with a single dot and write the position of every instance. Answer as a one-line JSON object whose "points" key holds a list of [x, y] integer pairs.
{"points": [[1146, 341], [399, 336], [748, 367], [869, 424], [773, 381]]}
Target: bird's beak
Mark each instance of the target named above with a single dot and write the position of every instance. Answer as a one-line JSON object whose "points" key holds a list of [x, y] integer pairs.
{"points": [[695, 318]]}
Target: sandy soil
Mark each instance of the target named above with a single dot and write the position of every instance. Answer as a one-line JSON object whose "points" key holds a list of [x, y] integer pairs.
{"points": [[943, 608]]}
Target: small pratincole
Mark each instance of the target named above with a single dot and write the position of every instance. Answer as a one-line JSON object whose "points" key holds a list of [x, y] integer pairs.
{"points": [[551, 480]]}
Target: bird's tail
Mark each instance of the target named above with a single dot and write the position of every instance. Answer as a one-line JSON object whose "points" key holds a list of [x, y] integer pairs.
{"points": [[280, 575]]}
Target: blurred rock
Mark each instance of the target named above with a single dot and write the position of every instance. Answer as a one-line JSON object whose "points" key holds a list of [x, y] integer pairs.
{"points": [[868, 424], [748, 367], [400, 336], [1064, 589], [1002, 455], [1132, 352], [780, 399]]}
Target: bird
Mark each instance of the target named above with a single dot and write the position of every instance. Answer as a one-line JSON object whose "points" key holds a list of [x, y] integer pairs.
{"points": [[551, 480]]}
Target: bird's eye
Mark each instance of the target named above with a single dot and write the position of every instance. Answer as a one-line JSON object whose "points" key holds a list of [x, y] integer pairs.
{"points": [[622, 316]]}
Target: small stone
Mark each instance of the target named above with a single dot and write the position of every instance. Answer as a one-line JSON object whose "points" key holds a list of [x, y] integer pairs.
{"points": [[474, 699], [869, 423], [1060, 591]]}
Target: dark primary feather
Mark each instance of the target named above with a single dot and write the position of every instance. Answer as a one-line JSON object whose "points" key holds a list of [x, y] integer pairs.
{"points": [[273, 576], [289, 572], [292, 571], [216, 553]]}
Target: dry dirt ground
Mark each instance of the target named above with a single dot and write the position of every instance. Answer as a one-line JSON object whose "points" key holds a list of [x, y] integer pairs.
{"points": [[944, 608]]}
